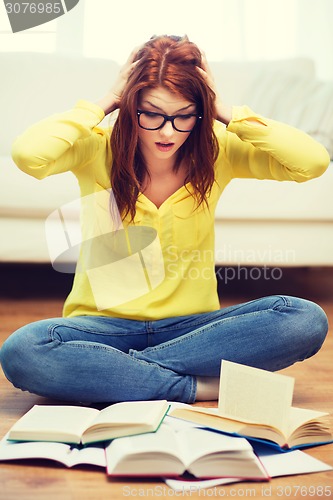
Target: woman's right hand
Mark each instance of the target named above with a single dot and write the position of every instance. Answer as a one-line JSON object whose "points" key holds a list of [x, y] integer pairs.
{"points": [[223, 111], [112, 100]]}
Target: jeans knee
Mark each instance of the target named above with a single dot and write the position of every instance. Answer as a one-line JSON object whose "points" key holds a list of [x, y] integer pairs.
{"points": [[311, 325], [305, 323], [16, 356], [8, 357], [317, 322]]}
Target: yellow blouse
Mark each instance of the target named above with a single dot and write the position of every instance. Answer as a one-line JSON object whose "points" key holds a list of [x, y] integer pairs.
{"points": [[162, 265]]}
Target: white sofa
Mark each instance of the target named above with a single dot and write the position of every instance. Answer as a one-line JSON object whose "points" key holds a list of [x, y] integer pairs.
{"points": [[257, 222]]}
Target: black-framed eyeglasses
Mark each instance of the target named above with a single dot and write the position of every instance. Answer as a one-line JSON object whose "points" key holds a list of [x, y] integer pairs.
{"points": [[154, 121]]}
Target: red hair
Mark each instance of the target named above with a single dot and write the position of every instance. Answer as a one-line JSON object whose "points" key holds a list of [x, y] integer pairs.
{"points": [[170, 62]]}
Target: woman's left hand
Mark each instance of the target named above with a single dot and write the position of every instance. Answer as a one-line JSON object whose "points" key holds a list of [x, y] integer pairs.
{"points": [[223, 111]]}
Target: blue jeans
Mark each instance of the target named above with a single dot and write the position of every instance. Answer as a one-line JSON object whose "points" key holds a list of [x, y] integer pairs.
{"points": [[103, 359]]}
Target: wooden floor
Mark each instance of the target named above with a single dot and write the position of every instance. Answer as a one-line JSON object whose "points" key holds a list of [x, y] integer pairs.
{"points": [[47, 481]]}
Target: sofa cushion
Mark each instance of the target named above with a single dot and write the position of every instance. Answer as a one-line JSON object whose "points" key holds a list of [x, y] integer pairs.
{"points": [[303, 102], [23, 240], [246, 199], [25, 196], [235, 80], [35, 85]]}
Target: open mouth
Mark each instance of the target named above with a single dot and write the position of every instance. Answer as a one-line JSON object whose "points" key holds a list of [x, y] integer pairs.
{"points": [[164, 146]]}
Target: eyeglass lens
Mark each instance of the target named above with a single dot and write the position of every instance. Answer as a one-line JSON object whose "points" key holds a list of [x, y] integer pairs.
{"points": [[153, 121]]}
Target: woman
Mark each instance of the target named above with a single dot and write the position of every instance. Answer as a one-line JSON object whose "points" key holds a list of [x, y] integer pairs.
{"points": [[143, 319]]}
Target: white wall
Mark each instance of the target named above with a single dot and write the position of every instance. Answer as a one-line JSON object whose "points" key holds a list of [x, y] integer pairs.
{"points": [[315, 34], [225, 29]]}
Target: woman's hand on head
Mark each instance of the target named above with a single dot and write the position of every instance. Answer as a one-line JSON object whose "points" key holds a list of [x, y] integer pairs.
{"points": [[112, 100], [223, 111]]}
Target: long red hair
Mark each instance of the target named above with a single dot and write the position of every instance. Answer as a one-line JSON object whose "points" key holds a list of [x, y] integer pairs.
{"points": [[170, 62]]}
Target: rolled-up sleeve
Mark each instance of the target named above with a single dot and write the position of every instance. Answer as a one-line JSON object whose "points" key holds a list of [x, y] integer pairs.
{"points": [[62, 142], [258, 147]]}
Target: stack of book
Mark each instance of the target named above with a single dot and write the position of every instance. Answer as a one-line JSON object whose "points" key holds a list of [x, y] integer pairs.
{"points": [[248, 437]]}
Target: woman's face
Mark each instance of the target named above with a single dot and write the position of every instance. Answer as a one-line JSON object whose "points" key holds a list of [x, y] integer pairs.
{"points": [[163, 144]]}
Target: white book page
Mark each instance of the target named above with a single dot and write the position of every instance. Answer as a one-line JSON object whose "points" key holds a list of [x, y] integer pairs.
{"points": [[91, 455], [132, 412], [196, 443], [59, 419], [162, 441], [299, 416], [290, 463], [59, 452], [196, 485], [177, 424], [10, 450], [255, 395], [275, 463], [186, 444]]}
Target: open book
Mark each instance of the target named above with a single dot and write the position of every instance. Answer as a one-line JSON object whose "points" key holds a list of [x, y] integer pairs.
{"points": [[274, 462], [169, 452], [66, 454], [277, 464], [77, 424], [257, 404]]}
